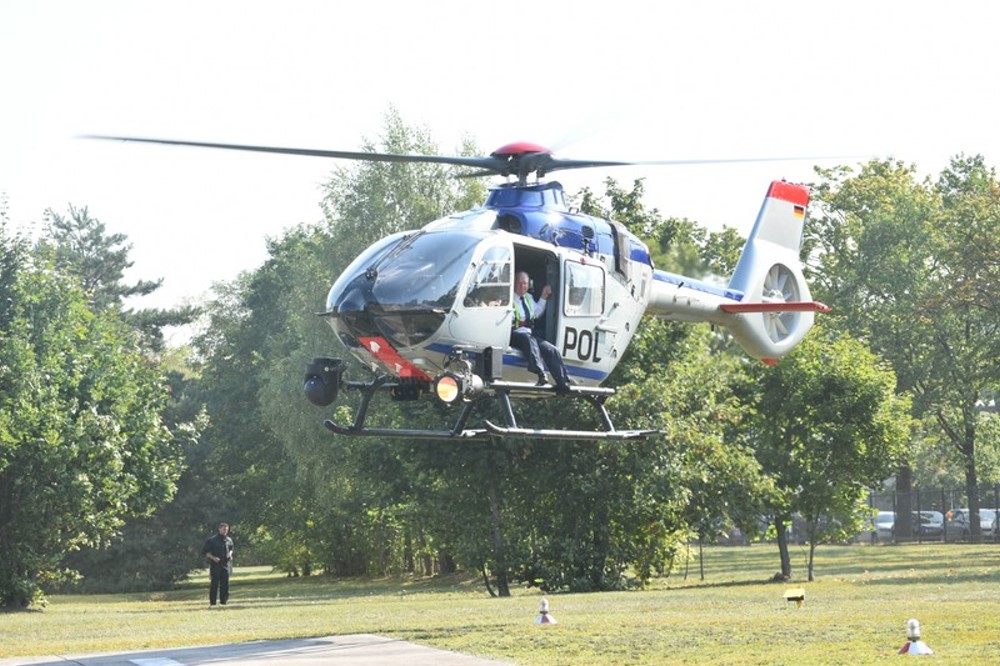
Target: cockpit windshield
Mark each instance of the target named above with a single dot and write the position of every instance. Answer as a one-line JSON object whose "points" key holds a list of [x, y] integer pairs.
{"points": [[424, 272], [402, 288], [366, 260]]}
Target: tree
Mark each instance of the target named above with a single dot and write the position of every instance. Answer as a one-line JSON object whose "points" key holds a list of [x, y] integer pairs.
{"points": [[674, 378], [82, 444], [154, 552], [826, 424], [373, 507], [79, 245], [691, 401], [912, 267], [291, 484], [149, 551], [577, 515]]}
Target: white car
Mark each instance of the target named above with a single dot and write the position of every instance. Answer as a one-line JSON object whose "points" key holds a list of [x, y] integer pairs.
{"points": [[884, 523]]}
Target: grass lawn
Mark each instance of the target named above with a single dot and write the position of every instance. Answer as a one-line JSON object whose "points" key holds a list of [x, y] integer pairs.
{"points": [[854, 613]]}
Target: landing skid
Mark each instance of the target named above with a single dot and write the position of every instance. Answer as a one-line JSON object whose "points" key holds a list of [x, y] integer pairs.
{"points": [[498, 390]]}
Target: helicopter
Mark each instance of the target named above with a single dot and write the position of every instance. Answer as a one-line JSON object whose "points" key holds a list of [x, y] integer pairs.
{"points": [[430, 311]]}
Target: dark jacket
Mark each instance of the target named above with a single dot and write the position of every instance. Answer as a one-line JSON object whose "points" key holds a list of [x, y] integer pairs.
{"points": [[221, 547]]}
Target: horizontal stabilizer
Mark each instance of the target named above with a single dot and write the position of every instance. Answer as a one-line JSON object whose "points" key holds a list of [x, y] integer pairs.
{"points": [[792, 306]]}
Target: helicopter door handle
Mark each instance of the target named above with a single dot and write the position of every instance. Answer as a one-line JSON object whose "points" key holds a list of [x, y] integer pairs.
{"points": [[601, 327]]}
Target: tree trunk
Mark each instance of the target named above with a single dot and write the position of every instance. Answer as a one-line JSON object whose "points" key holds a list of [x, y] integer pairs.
{"points": [[409, 563], [972, 490], [903, 522], [446, 563], [701, 556], [812, 554], [499, 547], [486, 581], [786, 560], [600, 542]]}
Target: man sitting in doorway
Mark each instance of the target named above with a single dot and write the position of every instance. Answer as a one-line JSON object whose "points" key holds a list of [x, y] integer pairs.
{"points": [[523, 338]]}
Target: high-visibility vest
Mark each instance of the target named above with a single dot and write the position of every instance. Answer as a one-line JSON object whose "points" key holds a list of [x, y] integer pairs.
{"points": [[523, 315]]}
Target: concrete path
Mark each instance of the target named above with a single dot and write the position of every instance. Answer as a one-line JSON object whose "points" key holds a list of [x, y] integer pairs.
{"points": [[355, 650]]}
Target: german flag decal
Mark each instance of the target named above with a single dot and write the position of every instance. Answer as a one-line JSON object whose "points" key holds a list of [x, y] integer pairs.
{"points": [[800, 211]]}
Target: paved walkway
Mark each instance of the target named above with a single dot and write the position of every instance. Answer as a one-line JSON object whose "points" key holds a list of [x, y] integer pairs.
{"points": [[355, 650]]}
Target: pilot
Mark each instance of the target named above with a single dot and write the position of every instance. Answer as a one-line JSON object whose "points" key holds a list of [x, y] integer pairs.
{"points": [[522, 337]]}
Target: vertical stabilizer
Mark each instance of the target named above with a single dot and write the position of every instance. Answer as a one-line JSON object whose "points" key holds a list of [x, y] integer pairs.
{"points": [[770, 271], [776, 235]]}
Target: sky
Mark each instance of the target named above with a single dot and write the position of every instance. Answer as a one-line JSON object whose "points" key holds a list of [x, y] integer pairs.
{"points": [[627, 80]]}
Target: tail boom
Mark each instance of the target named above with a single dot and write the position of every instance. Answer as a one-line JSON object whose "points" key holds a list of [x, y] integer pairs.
{"points": [[767, 305]]}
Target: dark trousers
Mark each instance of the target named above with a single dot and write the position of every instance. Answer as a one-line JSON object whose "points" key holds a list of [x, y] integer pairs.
{"points": [[220, 584], [537, 350]]}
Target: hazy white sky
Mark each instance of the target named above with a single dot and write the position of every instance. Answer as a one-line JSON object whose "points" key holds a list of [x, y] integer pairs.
{"points": [[622, 80]]}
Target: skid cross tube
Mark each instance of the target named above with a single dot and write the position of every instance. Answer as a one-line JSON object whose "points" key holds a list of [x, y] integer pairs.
{"points": [[500, 390]]}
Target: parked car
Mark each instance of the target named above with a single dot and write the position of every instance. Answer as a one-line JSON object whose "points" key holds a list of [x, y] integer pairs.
{"points": [[960, 524], [923, 525], [928, 523], [884, 523]]}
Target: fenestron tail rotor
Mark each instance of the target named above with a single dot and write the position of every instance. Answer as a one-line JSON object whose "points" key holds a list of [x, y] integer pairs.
{"points": [[780, 286]]}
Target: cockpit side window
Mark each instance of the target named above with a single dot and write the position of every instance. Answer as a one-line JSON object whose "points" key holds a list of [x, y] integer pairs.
{"points": [[585, 289], [491, 280]]}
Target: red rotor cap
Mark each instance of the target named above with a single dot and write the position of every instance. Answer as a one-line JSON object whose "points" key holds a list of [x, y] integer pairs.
{"points": [[519, 148]]}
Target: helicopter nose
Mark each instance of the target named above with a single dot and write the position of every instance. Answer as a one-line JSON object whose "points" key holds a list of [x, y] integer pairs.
{"points": [[403, 288], [356, 313], [350, 314]]}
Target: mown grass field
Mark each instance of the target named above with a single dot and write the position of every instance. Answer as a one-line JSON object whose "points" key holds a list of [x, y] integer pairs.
{"points": [[855, 612]]}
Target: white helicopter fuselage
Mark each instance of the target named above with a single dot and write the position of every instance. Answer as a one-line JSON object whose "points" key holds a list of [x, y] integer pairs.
{"points": [[591, 316], [411, 301], [431, 310]]}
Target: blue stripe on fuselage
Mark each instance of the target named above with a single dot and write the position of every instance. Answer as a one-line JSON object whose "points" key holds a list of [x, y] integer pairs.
{"points": [[680, 280], [514, 359]]}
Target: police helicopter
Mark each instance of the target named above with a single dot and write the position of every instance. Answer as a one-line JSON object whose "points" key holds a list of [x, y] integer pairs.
{"points": [[430, 311]]}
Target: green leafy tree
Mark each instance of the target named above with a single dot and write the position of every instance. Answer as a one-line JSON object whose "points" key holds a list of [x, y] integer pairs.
{"points": [[716, 476], [579, 515], [294, 484], [150, 551], [694, 479], [254, 484], [154, 552], [81, 246], [826, 424], [911, 267], [373, 499], [82, 444]]}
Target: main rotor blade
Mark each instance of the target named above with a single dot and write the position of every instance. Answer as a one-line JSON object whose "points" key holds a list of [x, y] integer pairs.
{"points": [[737, 160], [491, 163], [514, 159], [557, 164]]}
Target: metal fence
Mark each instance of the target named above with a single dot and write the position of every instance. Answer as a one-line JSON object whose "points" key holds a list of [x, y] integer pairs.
{"points": [[939, 515]]}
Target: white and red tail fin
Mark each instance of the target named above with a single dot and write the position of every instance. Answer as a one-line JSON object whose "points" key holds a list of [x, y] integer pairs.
{"points": [[767, 306], [776, 235], [776, 310]]}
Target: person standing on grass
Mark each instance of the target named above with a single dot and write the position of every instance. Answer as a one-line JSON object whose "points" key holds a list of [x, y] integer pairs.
{"points": [[218, 550]]}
